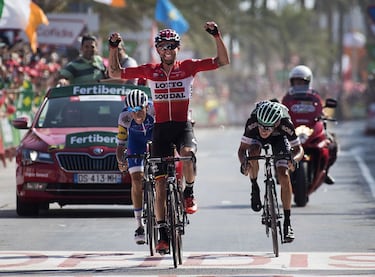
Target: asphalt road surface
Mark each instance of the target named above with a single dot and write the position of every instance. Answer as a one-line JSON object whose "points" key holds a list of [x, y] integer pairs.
{"points": [[334, 232]]}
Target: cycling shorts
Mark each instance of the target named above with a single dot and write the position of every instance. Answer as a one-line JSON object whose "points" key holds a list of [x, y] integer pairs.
{"points": [[168, 133], [135, 164]]}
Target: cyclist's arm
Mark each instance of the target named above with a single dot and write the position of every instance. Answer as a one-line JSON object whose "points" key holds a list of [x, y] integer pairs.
{"points": [[246, 139], [120, 149], [114, 68], [122, 139], [121, 162], [222, 53], [222, 57], [297, 152], [242, 152]]}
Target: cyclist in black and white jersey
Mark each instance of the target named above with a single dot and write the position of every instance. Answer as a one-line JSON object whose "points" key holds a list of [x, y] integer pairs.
{"points": [[269, 123]]}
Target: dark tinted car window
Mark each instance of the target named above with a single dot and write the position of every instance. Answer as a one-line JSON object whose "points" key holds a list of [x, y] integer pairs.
{"points": [[63, 113]]}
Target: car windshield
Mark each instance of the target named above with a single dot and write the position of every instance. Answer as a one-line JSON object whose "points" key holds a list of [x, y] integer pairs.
{"points": [[82, 111]]}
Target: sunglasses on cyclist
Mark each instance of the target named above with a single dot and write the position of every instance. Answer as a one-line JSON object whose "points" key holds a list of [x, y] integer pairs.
{"points": [[266, 128], [135, 109], [168, 46]]}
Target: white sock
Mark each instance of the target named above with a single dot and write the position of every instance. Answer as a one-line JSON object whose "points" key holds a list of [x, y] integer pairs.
{"points": [[138, 216]]}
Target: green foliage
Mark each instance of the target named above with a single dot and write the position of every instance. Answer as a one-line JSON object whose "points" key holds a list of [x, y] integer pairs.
{"points": [[265, 35]]}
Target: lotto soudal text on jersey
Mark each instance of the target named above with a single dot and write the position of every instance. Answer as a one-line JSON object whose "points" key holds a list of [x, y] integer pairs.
{"points": [[171, 91]]}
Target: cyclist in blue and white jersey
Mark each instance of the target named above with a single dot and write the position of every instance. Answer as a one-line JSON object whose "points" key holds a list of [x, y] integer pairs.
{"points": [[135, 125]]}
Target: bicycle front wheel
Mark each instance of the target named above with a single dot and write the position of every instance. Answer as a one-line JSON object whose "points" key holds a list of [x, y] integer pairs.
{"points": [[172, 218], [151, 230], [273, 216], [180, 220]]}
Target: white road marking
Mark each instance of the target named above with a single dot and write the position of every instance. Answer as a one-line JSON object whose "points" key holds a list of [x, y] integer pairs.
{"points": [[65, 260], [364, 170]]}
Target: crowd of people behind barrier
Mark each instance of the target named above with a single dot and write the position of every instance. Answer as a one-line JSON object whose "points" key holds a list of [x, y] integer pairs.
{"points": [[22, 74]]}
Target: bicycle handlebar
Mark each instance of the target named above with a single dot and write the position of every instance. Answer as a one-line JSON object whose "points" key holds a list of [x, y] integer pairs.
{"points": [[135, 156], [325, 118], [170, 159], [158, 159], [286, 156]]}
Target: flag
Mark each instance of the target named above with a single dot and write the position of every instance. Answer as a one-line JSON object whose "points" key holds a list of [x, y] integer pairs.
{"points": [[113, 3], [167, 13], [22, 14]]}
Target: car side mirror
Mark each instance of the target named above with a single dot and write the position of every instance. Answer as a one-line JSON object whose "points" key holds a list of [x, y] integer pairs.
{"points": [[20, 123], [330, 103]]}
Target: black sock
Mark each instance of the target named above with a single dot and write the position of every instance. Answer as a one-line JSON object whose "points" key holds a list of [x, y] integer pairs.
{"points": [[286, 217], [188, 188], [254, 184], [162, 231], [189, 185]]}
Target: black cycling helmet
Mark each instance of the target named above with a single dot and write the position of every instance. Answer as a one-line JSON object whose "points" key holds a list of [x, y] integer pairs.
{"points": [[269, 113], [136, 98], [167, 35]]}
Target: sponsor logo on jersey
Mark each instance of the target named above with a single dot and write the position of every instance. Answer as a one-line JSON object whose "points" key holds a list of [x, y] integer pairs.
{"points": [[172, 95], [287, 130], [172, 84]]}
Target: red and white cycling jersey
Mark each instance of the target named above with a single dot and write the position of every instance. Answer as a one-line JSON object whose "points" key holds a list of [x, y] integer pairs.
{"points": [[171, 92]]}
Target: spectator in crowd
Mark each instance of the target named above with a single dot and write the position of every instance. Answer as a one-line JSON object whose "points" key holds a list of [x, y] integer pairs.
{"points": [[87, 68]]}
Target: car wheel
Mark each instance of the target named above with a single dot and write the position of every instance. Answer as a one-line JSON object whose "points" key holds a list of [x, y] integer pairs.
{"points": [[27, 208], [44, 206]]}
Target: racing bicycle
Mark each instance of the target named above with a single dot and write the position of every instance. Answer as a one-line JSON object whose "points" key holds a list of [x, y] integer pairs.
{"points": [[148, 212], [176, 217], [271, 216]]}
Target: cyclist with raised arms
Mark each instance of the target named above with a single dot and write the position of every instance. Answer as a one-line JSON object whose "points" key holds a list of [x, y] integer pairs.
{"points": [[135, 125], [269, 123], [171, 84]]}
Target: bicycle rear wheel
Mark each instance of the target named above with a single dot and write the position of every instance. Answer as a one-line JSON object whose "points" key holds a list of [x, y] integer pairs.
{"points": [[151, 229], [273, 216]]}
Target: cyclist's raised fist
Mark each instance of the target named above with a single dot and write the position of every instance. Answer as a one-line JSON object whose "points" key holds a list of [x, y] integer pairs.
{"points": [[211, 28], [114, 39]]}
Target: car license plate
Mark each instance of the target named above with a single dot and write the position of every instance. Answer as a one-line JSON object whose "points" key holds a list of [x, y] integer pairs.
{"points": [[92, 178]]}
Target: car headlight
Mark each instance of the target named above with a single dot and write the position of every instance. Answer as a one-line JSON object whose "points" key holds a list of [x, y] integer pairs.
{"points": [[32, 156], [303, 132]]}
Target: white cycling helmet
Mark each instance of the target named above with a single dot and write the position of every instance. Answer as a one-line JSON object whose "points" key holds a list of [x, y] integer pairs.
{"points": [[301, 72], [136, 98]]}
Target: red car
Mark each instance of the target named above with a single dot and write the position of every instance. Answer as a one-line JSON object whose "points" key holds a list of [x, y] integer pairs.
{"points": [[68, 154]]}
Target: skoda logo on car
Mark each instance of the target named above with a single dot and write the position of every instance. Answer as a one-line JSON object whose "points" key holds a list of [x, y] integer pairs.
{"points": [[98, 151]]}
